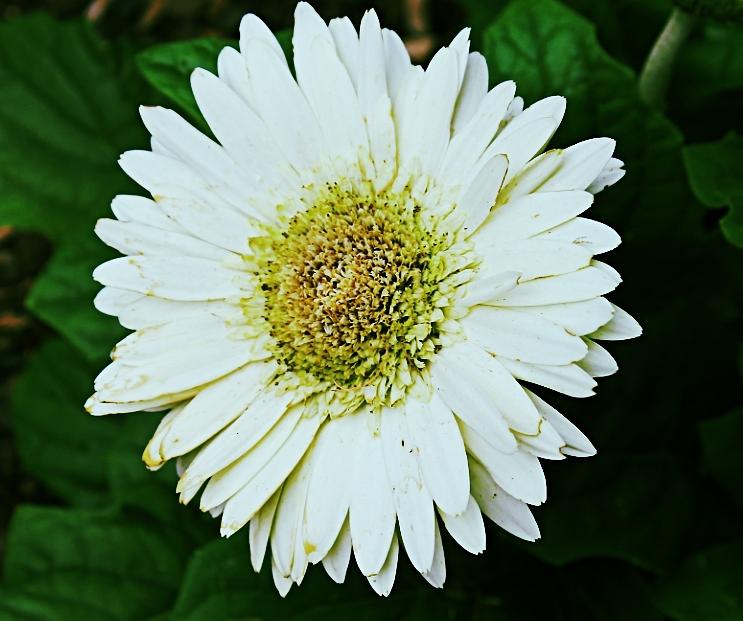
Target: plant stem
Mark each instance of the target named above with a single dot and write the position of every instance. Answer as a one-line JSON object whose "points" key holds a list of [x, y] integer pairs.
{"points": [[656, 74]]}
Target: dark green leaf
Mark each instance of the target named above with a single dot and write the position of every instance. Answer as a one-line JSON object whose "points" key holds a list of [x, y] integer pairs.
{"points": [[607, 514], [63, 125], [721, 450], [74, 564], [59, 443], [715, 172], [708, 587]]}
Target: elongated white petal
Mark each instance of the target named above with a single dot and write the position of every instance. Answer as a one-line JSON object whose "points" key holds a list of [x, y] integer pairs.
{"points": [[142, 210], [532, 214], [234, 441], [579, 318], [436, 576], [519, 473], [227, 482], [372, 514], [534, 258], [480, 196], [593, 236], [337, 559], [467, 528], [472, 402], [329, 493], [473, 91], [243, 505], [598, 362], [383, 580], [174, 278], [581, 164], [412, 501], [523, 336], [568, 379], [506, 511], [546, 444], [576, 443], [441, 453], [260, 529], [621, 326]]}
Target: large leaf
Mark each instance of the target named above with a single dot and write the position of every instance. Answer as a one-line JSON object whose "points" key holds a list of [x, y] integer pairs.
{"points": [[708, 587], [606, 515], [66, 113], [716, 174], [721, 451], [59, 443], [75, 564]]}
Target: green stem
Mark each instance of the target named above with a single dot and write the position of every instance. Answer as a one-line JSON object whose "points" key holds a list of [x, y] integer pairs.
{"points": [[656, 74]]}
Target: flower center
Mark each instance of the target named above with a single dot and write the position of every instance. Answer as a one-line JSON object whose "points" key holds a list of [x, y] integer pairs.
{"points": [[351, 289]]}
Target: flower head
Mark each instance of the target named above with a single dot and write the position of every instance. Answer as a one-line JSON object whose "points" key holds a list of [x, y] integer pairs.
{"points": [[339, 301]]}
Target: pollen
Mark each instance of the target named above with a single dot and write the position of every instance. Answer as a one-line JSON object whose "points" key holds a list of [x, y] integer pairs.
{"points": [[352, 288]]}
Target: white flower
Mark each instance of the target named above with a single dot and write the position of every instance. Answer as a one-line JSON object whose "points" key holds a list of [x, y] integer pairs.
{"points": [[339, 300]]}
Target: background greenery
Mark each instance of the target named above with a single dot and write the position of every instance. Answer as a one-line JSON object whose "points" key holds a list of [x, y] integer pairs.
{"points": [[649, 529]]}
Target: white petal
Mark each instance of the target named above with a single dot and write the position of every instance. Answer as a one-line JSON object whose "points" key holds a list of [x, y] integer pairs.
{"points": [[282, 106], [533, 258], [260, 529], [585, 284], [252, 28], [581, 164], [174, 278], [236, 440], [611, 173], [479, 198], [436, 576], [507, 512], [487, 287], [382, 581], [473, 401], [497, 387], [372, 514], [441, 454], [337, 559], [568, 379], [598, 362], [243, 505], [283, 583], [519, 473], [215, 407], [468, 528], [113, 301], [152, 452], [143, 210], [522, 336], [228, 481], [234, 73], [347, 44], [473, 90], [532, 176], [412, 500], [329, 492], [577, 444], [133, 238], [148, 310], [622, 326], [531, 214], [595, 237], [579, 318], [547, 444], [471, 140]]}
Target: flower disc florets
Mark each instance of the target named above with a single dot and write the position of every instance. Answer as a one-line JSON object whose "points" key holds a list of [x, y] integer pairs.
{"points": [[352, 288]]}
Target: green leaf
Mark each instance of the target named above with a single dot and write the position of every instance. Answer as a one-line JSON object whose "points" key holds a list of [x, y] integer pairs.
{"points": [[65, 116], [168, 67], [606, 513], [75, 564], [715, 172], [708, 587], [720, 439], [58, 442]]}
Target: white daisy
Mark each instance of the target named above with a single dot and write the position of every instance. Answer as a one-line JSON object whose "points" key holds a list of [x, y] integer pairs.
{"points": [[339, 300]]}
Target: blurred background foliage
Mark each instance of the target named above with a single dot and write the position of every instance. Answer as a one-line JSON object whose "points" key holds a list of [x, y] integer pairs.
{"points": [[649, 529]]}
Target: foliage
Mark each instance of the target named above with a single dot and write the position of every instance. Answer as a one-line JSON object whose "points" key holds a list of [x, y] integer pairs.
{"points": [[648, 529]]}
